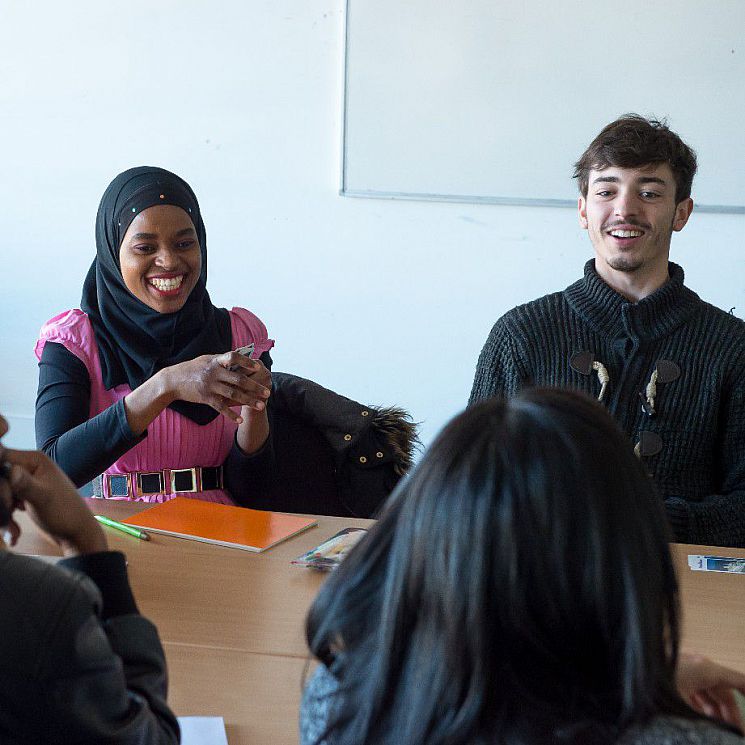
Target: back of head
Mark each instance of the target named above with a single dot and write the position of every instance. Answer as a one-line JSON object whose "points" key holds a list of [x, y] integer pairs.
{"points": [[633, 141], [518, 588]]}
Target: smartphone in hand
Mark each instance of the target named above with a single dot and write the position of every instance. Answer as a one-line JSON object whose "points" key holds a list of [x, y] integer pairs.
{"points": [[246, 351]]}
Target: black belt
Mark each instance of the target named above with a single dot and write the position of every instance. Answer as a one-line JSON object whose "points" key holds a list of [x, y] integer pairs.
{"points": [[168, 481]]}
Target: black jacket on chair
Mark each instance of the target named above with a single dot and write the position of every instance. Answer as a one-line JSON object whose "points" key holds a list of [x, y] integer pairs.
{"points": [[333, 456]]}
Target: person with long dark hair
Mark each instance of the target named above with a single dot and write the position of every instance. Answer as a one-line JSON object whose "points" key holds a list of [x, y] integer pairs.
{"points": [[518, 588], [149, 354]]}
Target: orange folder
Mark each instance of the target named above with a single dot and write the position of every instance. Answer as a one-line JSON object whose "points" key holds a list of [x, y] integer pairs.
{"points": [[225, 525]]}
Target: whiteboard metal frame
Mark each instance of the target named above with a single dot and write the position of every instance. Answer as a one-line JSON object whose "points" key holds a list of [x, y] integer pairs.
{"points": [[344, 191]]}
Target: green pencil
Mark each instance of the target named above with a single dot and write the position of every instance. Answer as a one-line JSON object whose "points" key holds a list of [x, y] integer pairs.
{"points": [[141, 534]]}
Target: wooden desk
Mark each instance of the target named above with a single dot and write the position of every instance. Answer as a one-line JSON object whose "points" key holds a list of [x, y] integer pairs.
{"points": [[232, 622], [713, 607]]}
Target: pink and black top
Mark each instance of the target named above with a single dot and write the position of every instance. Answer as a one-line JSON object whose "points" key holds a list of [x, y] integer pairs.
{"points": [[83, 426]]}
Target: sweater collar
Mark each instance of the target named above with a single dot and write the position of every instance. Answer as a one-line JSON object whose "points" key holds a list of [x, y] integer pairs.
{"points": [[609, 312]]}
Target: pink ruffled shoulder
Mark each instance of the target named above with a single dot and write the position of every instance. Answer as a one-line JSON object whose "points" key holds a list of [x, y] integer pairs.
{"points": [[247, 328], [73, 330]]}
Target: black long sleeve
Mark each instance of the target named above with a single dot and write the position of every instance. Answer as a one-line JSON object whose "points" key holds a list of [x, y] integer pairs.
{"points": [[108, 570], [81, 447]]}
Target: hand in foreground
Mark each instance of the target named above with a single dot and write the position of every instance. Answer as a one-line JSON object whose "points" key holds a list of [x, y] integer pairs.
{"points": [[209, 380], [7, 504], [709, 688], [49, 497]]}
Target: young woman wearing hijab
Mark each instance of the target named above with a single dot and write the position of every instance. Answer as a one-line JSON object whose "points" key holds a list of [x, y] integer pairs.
{"points": [[141, 385], [517, 589]]}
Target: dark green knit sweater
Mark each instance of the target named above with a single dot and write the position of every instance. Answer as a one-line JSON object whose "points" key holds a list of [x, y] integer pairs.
{"points": [[694, 445]]}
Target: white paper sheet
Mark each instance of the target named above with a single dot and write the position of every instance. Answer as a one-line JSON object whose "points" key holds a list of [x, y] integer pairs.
{"points": [[202, 731]]}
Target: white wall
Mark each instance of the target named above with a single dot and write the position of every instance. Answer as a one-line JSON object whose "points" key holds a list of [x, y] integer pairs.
{"points": [[459, 97], [386, 302]]}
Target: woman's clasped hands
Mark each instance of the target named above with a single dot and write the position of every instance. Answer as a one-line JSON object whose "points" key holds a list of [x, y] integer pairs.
{"points": [[224, 382]]}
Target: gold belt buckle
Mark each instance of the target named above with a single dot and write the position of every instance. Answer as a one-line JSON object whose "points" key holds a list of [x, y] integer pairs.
{"points": [[194, 481]]}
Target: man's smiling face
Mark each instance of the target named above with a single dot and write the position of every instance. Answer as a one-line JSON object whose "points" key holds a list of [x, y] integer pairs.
{"points": [[630, 214]]}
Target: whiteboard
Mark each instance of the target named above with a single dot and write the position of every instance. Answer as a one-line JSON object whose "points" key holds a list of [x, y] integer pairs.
{"points": [[491, 101]]}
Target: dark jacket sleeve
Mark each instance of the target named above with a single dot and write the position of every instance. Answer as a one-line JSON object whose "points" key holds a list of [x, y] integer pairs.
{"points": [[248, 475], [719, 519], [82, 447], [498, 370], [99, 680]]}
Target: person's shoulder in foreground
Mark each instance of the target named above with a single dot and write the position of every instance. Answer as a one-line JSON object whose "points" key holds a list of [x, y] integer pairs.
{"points": [[78, 663], [62, 663], [319, 695], [322, 689]]}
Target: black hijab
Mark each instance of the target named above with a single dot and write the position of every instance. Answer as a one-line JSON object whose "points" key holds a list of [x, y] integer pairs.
{"points": [[135, 341]]}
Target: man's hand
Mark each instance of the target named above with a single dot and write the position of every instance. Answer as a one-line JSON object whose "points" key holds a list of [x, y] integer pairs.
{"points": [[709, 688], [39, 486]]}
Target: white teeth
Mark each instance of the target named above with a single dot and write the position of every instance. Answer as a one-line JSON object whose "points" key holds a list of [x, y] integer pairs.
{"points": [[626, 233], [166, 284]]}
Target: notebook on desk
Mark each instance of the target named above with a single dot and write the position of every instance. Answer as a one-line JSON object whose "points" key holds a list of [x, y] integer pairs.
{"points": [[221, 524]]}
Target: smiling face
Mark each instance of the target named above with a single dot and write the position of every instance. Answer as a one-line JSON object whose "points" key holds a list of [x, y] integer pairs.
{"points": [[160, 257], [630, 214]]}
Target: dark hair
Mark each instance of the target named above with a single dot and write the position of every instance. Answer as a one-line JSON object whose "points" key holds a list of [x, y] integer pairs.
{"points": [[633, 141], [517, 588]]}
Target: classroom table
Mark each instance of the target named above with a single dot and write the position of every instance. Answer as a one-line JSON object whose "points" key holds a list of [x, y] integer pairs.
{"points": [[231, 621]]}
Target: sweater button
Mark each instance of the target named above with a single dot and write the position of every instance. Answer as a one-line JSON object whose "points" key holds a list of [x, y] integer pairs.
{"points": [[650, 443]]}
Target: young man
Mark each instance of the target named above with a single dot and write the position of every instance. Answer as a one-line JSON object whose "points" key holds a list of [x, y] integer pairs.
{"points": [[670, 367], [78, 663]]}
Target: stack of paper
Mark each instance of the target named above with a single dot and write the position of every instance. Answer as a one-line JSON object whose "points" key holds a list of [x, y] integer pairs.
{"points": [[202, 731]]}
